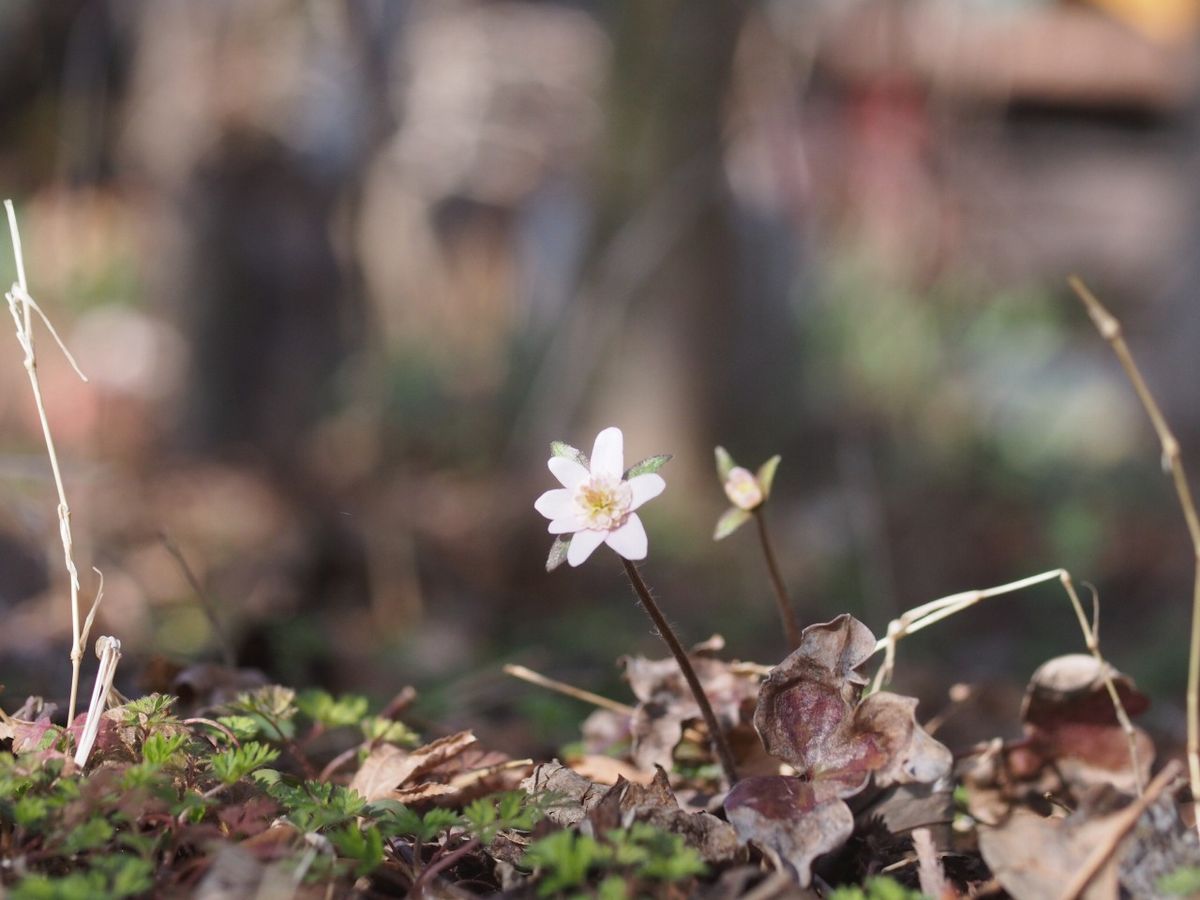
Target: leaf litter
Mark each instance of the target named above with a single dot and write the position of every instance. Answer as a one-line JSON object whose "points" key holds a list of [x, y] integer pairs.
{"points": [[724, 779]]}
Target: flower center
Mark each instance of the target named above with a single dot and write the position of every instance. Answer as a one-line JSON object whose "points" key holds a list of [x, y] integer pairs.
{"points": [[743, 489], [604, 502]]}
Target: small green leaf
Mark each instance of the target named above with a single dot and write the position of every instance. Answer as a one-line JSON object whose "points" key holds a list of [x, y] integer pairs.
{"points": [[93, 833], [320, 706], [558, 552], [566, 451], [648, 465], [731, 520], [766, 474], [725, 464], [234, 764]]}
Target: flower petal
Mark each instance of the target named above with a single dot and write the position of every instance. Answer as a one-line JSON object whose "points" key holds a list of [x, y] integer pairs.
{"points": [[582, 545], [630, 539], [608, 453], [568, 472], [555, 504], [645, 487], [567, 525]]}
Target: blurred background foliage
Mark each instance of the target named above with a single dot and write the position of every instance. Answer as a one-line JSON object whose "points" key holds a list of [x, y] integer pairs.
{"points": [[339, 270]]}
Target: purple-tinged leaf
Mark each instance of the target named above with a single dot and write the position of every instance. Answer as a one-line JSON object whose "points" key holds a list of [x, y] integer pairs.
{"points": [[797, 820]]}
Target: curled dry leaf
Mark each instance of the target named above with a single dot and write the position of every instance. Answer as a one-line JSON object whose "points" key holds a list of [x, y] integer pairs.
{"points": [[655, 804], [389, 767], [1070, 722], [665, 703], [799, 820], [810, 714], [574, 795], [624, 803]]}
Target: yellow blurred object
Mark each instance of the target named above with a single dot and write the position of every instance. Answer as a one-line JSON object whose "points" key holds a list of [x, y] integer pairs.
{"points": [[1166, 21]]}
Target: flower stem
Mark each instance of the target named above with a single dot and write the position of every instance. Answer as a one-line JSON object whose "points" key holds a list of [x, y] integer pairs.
{"points": [[790, 626], [672, 641]]}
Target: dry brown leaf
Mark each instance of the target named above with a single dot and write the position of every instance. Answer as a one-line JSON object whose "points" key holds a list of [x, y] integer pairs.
{"points": [[798, 820], [575, 794], [665, 702], [1034, 858], [607, 770], [655, 804], [388, 767], [1070, 722]]}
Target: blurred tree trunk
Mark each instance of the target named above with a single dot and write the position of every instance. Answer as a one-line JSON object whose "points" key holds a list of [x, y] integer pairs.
{"points": [[670, 82]]}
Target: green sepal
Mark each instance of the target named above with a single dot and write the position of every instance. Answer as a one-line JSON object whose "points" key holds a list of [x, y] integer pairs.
{"points": [[558, 552], [766, 474], [731, 520], [725, 464], [647, 466], [566, 451]]}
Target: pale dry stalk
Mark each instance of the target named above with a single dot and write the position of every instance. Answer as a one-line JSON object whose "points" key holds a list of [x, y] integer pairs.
{"points": [[569, 690], [108, 650], [1110, 329], [919, 617], [1091, 637], [934, 611], [22, 306]]}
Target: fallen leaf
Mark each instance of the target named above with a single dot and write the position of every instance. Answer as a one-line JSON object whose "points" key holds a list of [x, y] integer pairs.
{"points": [[665, 702], [1070, 722], [655, 804], [389, 767], [798, 820], [608, 769], [1034, 858], [574, 795]]}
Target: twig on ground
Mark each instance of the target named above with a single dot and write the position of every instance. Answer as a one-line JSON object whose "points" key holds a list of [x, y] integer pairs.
{"points": [[1110, 329], [442, 865], [568, 690], [22, 306], [1126, 819]]}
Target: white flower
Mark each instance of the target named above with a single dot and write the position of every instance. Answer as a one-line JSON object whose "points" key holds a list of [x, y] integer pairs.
{"points": [[743, 489], [596, 505]]}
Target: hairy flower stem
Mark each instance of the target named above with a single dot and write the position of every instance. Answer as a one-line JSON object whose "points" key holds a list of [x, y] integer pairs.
{"points": [[787, 613], [685, 665]]}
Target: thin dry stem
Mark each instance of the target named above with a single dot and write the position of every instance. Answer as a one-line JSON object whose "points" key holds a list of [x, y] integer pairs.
{"points": [[715, 732], [1091, 637], [1110, 329], [1126, 819], [931, 874], [787, 612], [934, 611], [568, 690], [22, 306]]}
